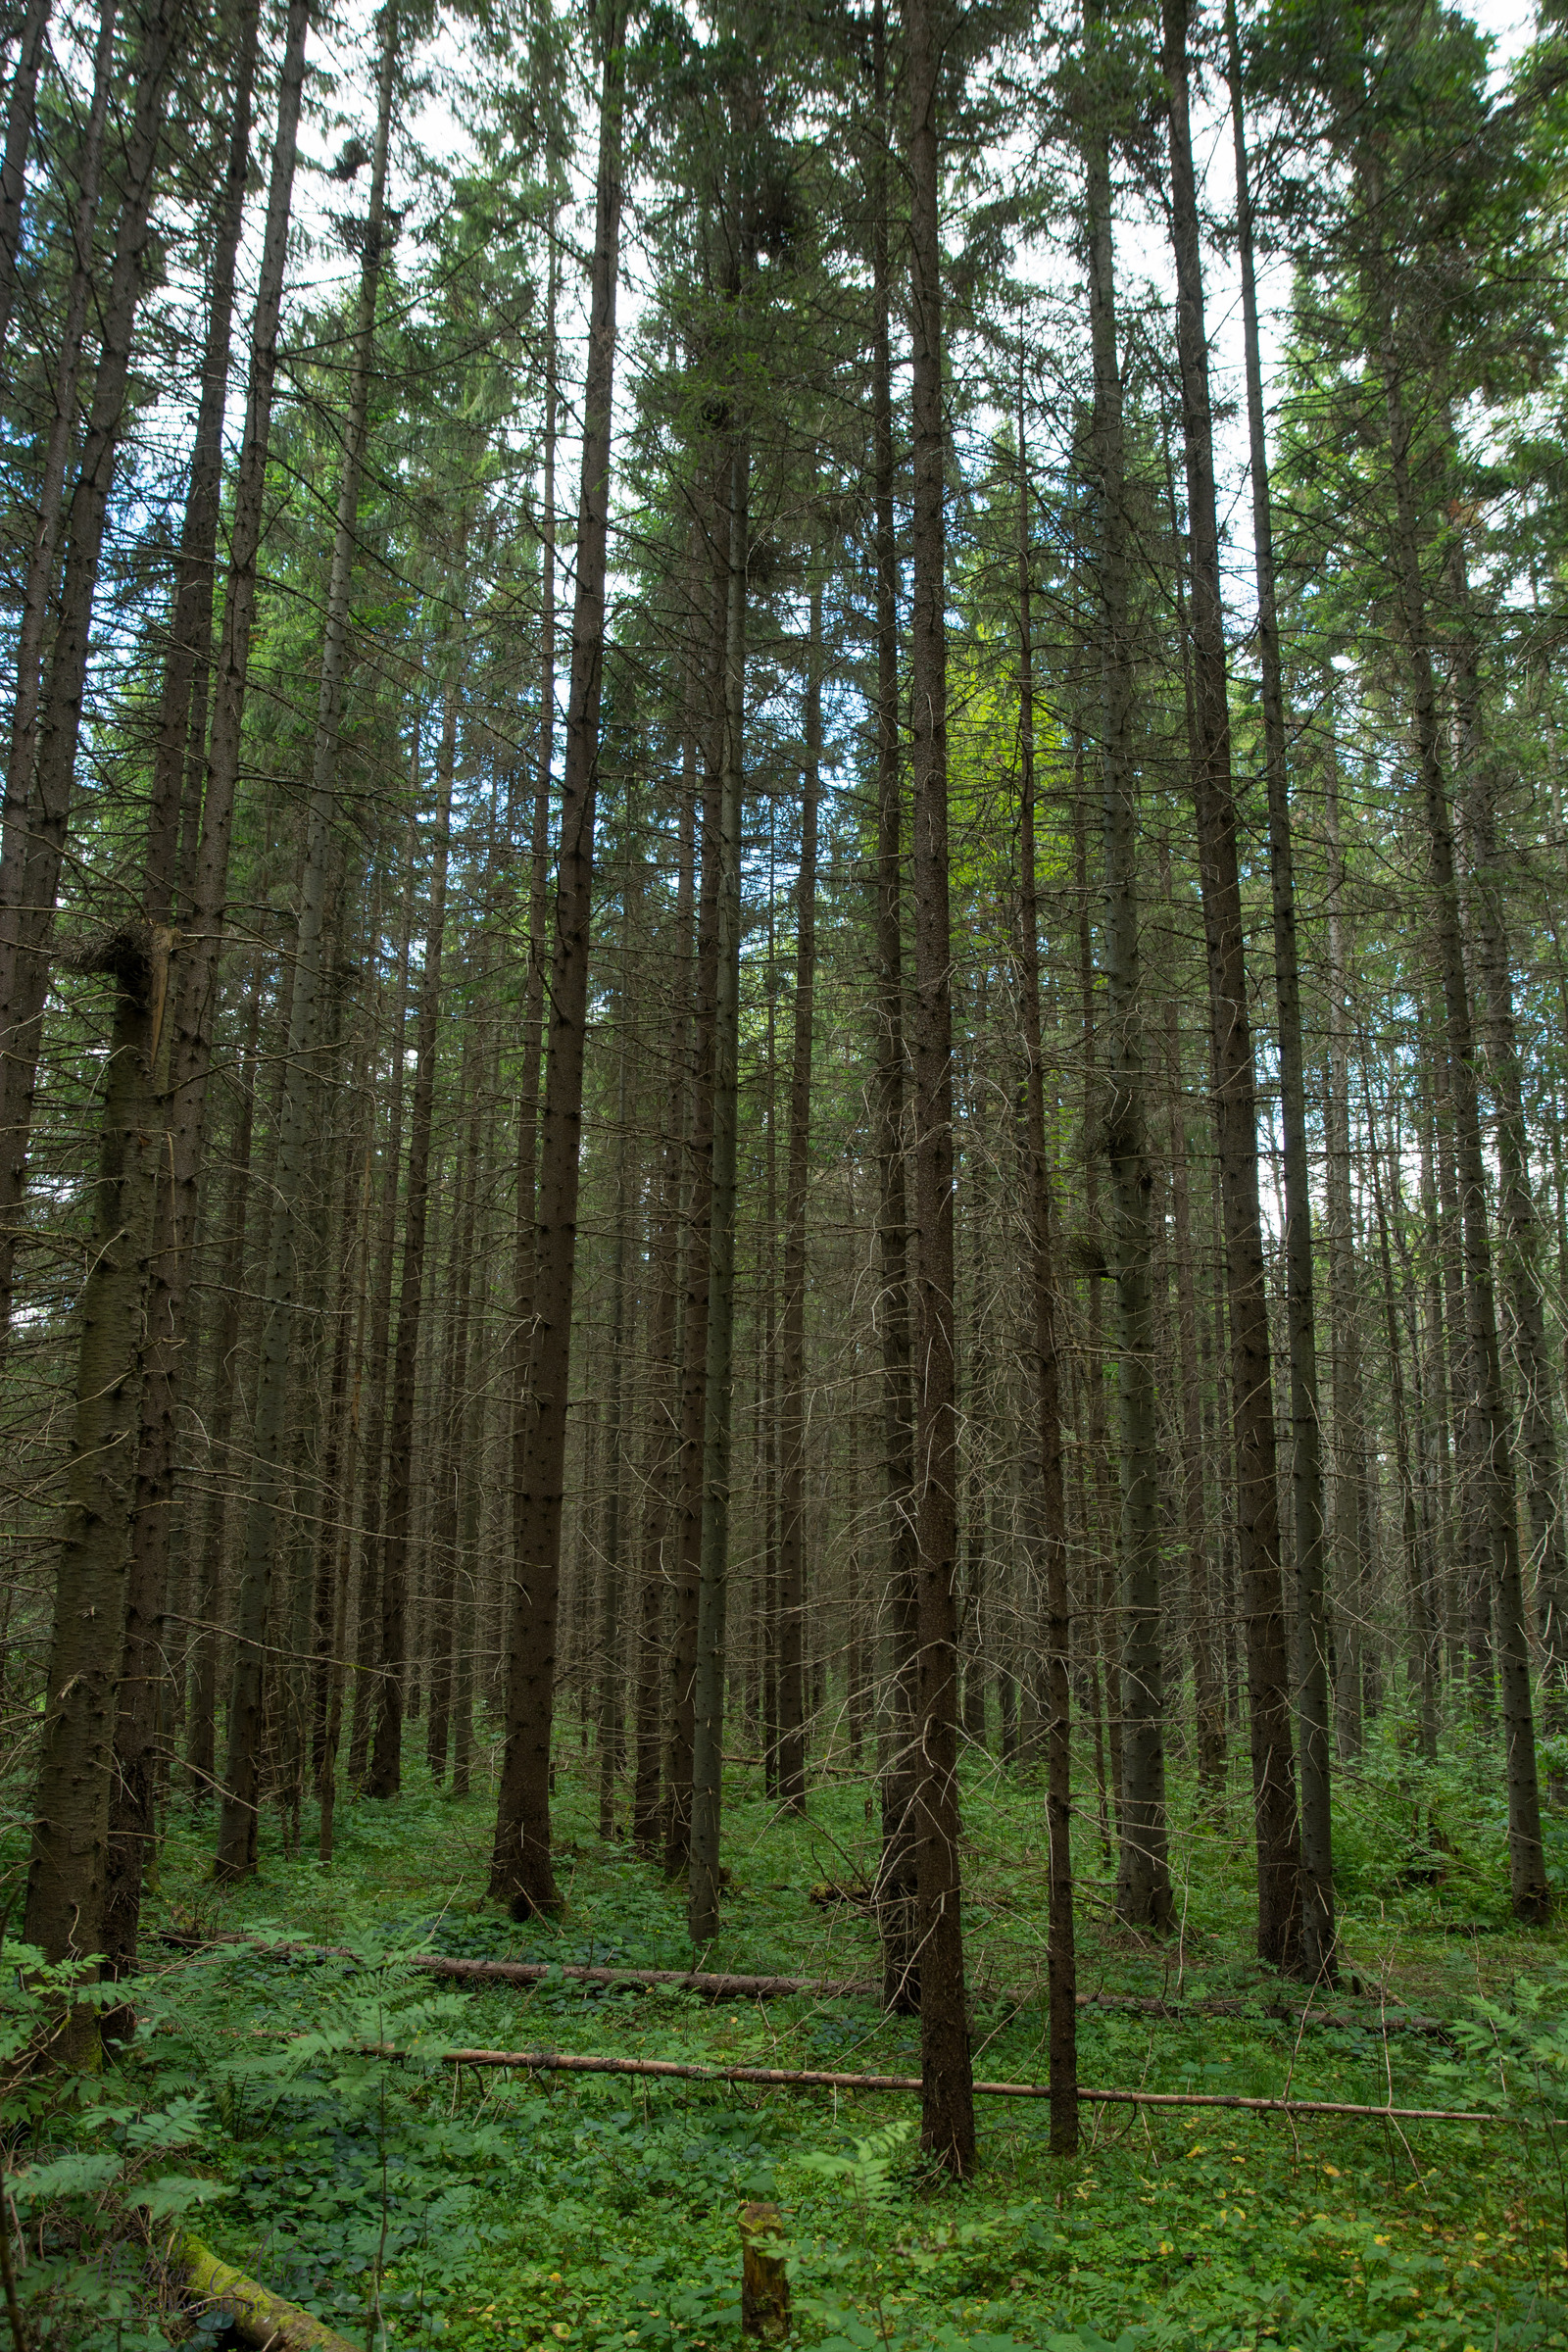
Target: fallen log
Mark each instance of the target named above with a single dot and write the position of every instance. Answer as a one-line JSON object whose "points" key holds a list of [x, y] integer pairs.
{"points": [[261, 2321], [712, 1986], [570, 2062]]}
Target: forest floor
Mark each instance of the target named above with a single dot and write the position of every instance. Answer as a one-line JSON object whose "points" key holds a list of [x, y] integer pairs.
{"points": [[512, 2210]]}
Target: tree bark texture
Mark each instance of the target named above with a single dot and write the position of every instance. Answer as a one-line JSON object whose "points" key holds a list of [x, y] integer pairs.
{"points": [[521, 1869], [947, 2105]]}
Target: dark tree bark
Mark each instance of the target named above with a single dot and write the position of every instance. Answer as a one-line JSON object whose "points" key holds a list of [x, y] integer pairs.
{"points": [[368, 1634], [707, 1726], [46, 725], [1279, 1858], [896, 1889], [947, 2101], [792, 1493], [1495, 1528], [664, 1443], [1517, 1219], [125, 1184], [21, 114], [201, 1754], [1307, 1457], [384, 1779], [611, 1693], [130, 1825], [288, 1237], [1143, 1872], [521, 1869], [694, 1293], [65, 1877], [1061, 1956]]}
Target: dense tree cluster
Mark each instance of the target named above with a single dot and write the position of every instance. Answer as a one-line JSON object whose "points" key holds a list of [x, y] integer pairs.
{"points": [[771, 978]]}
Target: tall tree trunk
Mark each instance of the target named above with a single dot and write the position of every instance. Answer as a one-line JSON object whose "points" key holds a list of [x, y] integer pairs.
{"points": [[1306, 1457], [896, 1892], [152, 1503], [65, 1877], [1415, 1580], [525, 1207], [1516, 1207], [46, 727], [384, 1779], [454, 1473], [1349, 1407], [21, 114], [39, 579], [1061, 1956], [792, 1498], [521, 1869], [1143, 1872], [367, 1634], [87, 1710], [201, 1754], [702, 1905], [611, 1707], [946, 2100], [664, 1443], [694, 1293], [1279, 1858], [1494, 1542], [238, 1823]]}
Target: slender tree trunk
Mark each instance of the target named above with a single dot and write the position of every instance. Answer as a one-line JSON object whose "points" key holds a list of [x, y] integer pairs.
{"points": [[1416, 1584], [525, 1225], [454, 1473], [130, 1825], [237, 1828], [1279, 1858], [611, 1707], [1349, 1407], [701, 1907], [66, 1878], [1143, 1875], [201, 1755], [792, 1539], [114, 1391], [1516, 1207], [1061, 1956], [664, 1444], [1307, 1457], [897, 1892], [368, 1637], [384, 1779], [1499, 1530], [46, 729], [21, 114], [521, 1871], [947, 2103], [695, 1300], [39, 580]]}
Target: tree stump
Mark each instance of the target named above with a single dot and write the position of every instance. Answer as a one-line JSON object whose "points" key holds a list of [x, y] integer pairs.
{"points": [[764, 2280]]}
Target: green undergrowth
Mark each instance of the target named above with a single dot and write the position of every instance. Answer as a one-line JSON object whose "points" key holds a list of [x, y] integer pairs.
{"points": [[410, 2204]]}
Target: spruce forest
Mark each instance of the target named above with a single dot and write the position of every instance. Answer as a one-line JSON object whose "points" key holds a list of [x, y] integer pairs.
{"points": [[783, 1213]]}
